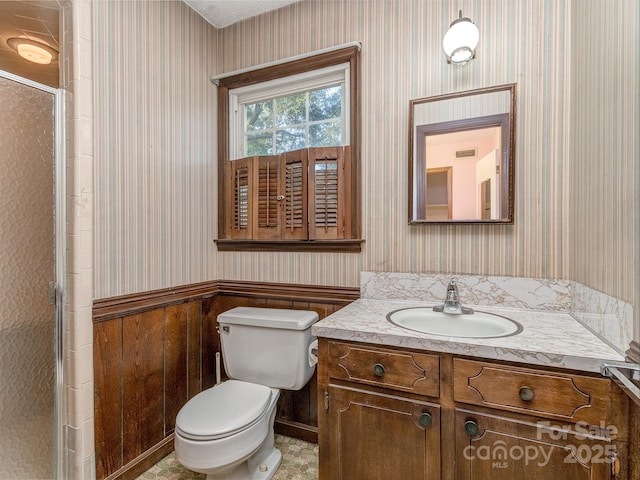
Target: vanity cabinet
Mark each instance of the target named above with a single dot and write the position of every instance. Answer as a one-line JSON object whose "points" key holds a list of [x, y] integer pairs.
{"points": [[376, 395], [565, 430], [387, 412]]}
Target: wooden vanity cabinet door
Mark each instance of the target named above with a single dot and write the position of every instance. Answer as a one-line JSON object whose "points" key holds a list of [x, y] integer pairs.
{"points": [[507, 449], [372, 436]]}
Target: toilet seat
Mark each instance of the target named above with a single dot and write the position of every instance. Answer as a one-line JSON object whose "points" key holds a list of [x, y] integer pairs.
{"points": [[223, 410]]}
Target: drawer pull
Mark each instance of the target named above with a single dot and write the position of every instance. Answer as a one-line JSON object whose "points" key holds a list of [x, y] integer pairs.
{"points": [[527, 394], [472, 428], [426, 420], [378, 370]]}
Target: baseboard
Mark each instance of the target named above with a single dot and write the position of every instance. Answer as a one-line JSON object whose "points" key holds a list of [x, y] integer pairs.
{"points": [[296, 430], [144, 462]]}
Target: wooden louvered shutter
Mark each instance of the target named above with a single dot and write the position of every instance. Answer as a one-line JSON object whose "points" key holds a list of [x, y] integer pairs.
{"points": [[294, 181], [239, 198], [266, 209], [298, 195], [328, 197]]}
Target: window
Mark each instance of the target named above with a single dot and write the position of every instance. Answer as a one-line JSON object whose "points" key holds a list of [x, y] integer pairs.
{"points": [[289, 156], [306, 110]]}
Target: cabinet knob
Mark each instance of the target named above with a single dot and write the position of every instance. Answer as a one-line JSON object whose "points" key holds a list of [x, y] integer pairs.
{"points": [[472, 428], [378, 370], [426, 420], [527, 394]]}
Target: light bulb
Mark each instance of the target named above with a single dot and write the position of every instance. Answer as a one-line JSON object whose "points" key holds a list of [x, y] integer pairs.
{"points": [[33, 51], [34, 54], [460, 41]]}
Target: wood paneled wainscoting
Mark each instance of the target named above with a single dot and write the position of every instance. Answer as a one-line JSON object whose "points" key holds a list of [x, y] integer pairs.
{"points": [[155, 350]]}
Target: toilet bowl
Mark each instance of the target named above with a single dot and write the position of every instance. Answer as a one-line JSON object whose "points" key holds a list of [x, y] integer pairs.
{"points": [[227, 431], [234, 440]]}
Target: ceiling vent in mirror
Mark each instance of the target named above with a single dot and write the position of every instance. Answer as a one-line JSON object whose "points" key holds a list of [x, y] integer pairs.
{"points": [[468, 153]]}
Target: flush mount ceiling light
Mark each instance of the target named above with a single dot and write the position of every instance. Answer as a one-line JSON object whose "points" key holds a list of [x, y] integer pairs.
{"points": [[36, 52], [461, 40]]}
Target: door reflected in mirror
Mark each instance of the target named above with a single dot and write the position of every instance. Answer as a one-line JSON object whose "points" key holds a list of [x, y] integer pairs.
{"points": [[461, 163]]}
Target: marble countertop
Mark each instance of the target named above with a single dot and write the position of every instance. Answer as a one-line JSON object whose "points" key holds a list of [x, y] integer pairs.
{"points": [[552, 339]]}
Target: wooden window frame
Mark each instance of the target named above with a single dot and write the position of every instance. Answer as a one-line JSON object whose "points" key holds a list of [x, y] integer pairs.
{"points": [[353, 243]]}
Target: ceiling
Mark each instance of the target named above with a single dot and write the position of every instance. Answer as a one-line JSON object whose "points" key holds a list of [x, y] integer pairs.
{"points": [[35, 20], [222, 13]]}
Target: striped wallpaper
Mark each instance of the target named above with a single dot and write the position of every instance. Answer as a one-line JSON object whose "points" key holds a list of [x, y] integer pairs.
{"points": [[155, 135], [605, 147], [520, 41]]}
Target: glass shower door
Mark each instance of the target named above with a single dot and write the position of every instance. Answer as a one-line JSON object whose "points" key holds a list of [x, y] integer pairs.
{"points": [[27, 253]]}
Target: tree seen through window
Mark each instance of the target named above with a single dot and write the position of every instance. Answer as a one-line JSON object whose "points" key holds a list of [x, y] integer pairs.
{"points": [[283, 124]]}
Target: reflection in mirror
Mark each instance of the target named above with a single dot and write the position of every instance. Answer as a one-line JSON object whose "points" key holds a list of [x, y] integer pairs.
{"points": [[461, 157]]}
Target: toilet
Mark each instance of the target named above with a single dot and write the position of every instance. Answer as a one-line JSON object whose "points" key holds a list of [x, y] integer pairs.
{"points": [[227, 431]]}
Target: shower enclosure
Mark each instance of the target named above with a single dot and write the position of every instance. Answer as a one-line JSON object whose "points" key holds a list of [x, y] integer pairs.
{"points": [[31, 222]]}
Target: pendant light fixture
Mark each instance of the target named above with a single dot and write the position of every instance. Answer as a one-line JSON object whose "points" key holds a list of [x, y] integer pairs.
{"points": [[461, 40]]}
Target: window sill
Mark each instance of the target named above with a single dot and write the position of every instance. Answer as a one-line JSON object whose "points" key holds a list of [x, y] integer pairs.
{"points": [[330, 246]]}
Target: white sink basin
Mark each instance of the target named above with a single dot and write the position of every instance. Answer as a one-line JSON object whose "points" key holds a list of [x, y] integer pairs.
{"points": [[476, 325]]}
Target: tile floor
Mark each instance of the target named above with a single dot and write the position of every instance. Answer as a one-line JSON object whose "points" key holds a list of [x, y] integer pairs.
{"points": [[299, 462]]}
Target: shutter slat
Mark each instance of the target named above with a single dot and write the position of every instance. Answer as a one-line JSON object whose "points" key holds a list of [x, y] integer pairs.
{"points": [[240, 192], [267, 193], [326, 193], [294, 192], [241, 199], [329, 194]]}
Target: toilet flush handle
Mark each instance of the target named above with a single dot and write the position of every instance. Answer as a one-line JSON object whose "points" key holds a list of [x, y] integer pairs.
{"points": [[225, 328]]}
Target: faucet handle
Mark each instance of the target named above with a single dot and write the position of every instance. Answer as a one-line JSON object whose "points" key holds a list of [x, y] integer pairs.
{"points": [[452, 288]]}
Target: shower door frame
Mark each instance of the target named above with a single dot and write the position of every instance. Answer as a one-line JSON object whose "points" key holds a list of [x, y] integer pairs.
{"points": [[57, 286]]}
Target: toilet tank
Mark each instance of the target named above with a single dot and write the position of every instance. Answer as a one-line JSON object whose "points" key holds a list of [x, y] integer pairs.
{"points": [[269, 346]]}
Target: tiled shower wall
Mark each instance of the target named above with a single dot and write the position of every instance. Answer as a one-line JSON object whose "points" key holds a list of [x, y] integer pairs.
{"points": [[77, 77]]}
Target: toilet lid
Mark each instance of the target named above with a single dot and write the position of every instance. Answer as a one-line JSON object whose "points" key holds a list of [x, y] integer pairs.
{"points": [[223, 410]]}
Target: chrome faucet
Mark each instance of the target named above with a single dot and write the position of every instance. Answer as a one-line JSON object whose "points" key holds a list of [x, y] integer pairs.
{"points": [[452, 303]]}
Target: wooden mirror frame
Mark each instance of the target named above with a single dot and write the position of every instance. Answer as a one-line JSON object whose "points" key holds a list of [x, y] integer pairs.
{"points": [[506, 121]]}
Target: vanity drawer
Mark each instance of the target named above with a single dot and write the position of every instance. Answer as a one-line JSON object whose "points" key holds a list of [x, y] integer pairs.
{"points": [[537, 392], [398, 370]]}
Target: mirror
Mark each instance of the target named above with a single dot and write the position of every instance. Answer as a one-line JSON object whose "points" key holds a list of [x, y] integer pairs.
{"points": [[461, 157]]}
